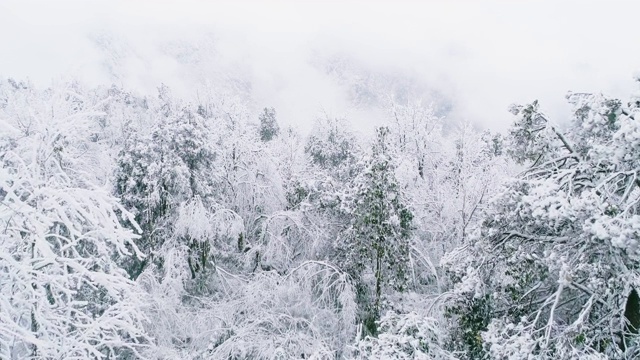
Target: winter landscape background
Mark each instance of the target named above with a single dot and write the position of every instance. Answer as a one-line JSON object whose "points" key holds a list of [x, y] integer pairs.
{"points": [[319, 180]]}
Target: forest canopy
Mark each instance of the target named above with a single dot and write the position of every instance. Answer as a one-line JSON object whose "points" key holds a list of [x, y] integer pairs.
{"points": [[165, 227]]}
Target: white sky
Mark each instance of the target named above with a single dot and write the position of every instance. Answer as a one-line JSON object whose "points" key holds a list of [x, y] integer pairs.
{"points": [[484, 55]]}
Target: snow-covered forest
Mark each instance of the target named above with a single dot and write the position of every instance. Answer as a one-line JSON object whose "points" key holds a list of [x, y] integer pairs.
{"points": [[154, 227], [199, 225]]}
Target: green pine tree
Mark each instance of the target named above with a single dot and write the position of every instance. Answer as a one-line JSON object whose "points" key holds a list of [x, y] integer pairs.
{"points": [[378, 238]]}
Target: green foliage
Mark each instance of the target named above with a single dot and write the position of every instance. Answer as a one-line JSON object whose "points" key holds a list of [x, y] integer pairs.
{"points": [[269, 128], [378, 238], [471, 316]]}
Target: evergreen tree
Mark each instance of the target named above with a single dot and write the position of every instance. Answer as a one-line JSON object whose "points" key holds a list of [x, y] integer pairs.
{"points": [[269, 127], [376, 247]]}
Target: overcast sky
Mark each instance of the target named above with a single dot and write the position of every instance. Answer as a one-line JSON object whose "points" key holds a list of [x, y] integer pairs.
{"points": [[481, 55]]}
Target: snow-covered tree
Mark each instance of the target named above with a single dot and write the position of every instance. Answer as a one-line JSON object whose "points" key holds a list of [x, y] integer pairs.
{"points": [[163, 167], [269, 127], [331, 145], [555, 264], [375, 247], [61, 293], [406, 336]]}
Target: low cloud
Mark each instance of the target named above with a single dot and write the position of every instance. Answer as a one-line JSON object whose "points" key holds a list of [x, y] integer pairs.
{"points": [[478, 57]]}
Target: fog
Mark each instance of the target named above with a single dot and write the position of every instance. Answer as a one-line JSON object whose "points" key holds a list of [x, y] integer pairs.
{"points": [[470, 59]]}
